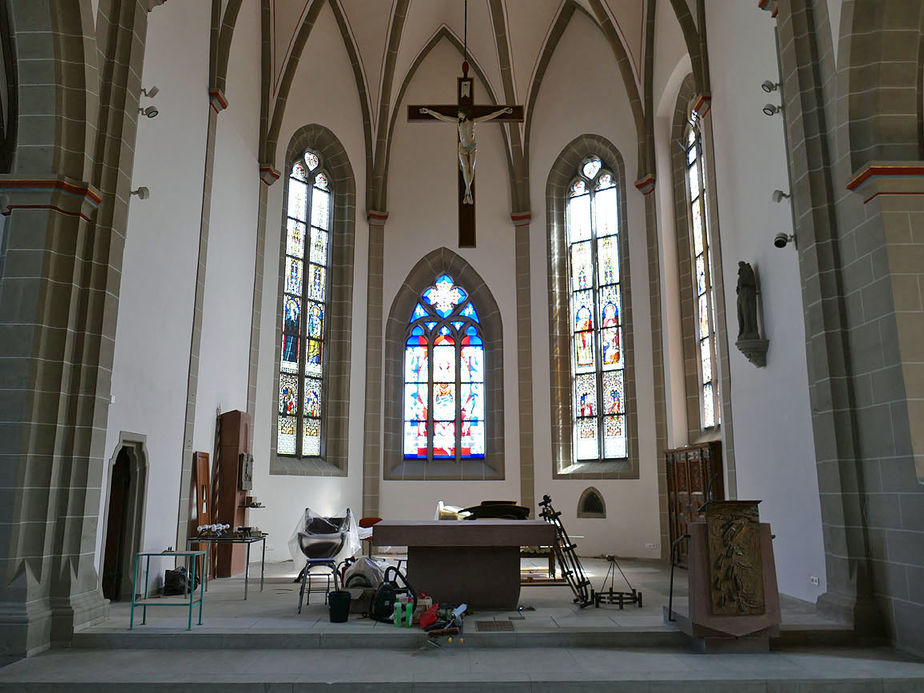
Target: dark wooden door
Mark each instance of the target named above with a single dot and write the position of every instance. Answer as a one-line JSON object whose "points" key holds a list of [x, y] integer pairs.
{"points": [[694, 475], [117, 526]]}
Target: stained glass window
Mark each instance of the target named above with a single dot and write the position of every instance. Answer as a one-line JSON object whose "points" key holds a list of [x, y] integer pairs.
{"points": [[304, 307], [703, 294], [597, 358], [444, 365]]}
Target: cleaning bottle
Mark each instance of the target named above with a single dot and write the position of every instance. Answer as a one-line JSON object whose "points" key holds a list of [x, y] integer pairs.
{"points": [[410, 613]]}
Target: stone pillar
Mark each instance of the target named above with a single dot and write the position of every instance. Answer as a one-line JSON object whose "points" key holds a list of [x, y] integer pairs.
{"points": [[217, 103], [372, 420], [524, 360]]}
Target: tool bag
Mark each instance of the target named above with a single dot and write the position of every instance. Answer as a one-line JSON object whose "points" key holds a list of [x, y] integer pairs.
{"points": [[382, 605]]}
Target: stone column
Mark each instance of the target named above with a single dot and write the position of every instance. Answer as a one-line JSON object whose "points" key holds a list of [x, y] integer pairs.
{"points": [[372, 420], [217, 103], [524, 360]]}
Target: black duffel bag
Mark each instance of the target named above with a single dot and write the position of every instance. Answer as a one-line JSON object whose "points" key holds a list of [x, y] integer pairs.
{"points": [[177, 581], [382, 605]]}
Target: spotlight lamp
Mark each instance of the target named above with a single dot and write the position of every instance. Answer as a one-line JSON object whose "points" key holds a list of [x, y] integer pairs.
{"points": [[781, 240], [142, 192], [153, 91], [149, 111], [769, 86], [779, 196], [771, 110]]}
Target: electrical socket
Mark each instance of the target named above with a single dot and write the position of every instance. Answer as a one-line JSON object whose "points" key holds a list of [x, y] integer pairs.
{"points": [[813, 579]]}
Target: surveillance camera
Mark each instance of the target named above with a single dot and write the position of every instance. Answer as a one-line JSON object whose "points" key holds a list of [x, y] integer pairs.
{"points": [[770, 110], [142, 192], [781, 240], [150, 93], [150, 111], [769, 86], [779, 195]]}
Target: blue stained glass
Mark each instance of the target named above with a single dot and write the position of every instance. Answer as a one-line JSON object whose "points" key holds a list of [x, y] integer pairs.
{"points": [[415, 402], [472, 397], [472, 364], [582, 310], [444, 363], [317, 282], [609, 345], [444, 439], [444, 401], [289, 358], [472, 438], [458, 325], [417, 336], [430, 326], [471, 336], [293, 276], [444, 296], [470, 312], [416, 368], [415, 439], [419, 312], [315, 320], [312, 397], [292, 315], [288, 394]]}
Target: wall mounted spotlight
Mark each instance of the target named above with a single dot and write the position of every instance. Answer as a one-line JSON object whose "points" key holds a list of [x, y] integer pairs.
{"points": [[769, 86], [771, 110], [150, 93], [142, 192], [779, 196], [151, 111], [781, 240]]}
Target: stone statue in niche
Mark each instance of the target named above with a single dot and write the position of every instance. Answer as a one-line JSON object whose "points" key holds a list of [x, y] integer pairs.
{"points": [[747, 302], [749, 340]]}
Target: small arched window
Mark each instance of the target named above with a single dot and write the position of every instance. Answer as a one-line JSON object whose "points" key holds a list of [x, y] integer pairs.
{"points": [[597, 354], [304, 309], [591, 504], [704, 296], [444, 366]]}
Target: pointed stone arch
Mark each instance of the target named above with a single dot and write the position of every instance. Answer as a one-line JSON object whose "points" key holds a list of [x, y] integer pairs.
{"points": [[418, 279], [591, 504]]}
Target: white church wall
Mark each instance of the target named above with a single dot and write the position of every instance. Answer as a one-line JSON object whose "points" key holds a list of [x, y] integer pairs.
{"points": [[224, 354], [567, 107], [422, 206], [774, 448], [151, 358], [671, 66], [323, 92]]}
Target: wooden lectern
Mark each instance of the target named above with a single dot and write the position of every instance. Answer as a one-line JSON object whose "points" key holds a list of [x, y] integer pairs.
{"points": [[234, 439]]}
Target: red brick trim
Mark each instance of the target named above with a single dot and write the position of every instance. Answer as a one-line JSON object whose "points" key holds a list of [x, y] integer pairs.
{"points": [[268, 174], [884, 170], [646, 184], [217, 100]]}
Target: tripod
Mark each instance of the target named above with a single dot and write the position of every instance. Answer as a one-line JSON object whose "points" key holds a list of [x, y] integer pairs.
{"points": [[613, 596]]}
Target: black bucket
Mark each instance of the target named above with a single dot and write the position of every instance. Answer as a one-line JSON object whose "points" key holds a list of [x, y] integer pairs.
{"points": [[339, 602]]}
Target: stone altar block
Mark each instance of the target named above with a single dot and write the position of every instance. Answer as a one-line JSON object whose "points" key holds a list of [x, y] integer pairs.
{"points": [[477, 562]]}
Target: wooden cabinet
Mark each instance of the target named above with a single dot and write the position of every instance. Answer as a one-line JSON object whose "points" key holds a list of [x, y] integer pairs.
{"points": [[234, 439], [693, 473]]}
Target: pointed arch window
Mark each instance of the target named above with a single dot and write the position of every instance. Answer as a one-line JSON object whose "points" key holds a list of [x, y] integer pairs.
{"points": [[597, 356], [444, 367], [304, 310], [704, 295]]}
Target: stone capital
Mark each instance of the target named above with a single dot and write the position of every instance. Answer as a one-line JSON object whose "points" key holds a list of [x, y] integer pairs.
{"points": [[888, 178], [521, 218], [769, 6], [376, 217], [217, 100], [62, 195], [268, 174], [646, 184]]}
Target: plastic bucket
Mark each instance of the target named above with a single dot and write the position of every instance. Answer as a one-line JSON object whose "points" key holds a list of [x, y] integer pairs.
{"points": [[339, 602]]}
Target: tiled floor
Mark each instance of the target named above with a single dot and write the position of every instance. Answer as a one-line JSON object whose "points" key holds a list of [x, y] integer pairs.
{"points": [[262, 645]]}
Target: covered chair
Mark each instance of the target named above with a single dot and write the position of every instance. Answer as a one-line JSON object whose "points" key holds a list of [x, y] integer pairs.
{"points": [[320, 541]]}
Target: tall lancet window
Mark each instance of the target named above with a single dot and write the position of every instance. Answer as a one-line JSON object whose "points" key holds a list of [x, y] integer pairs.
{"points": [[444, 376], [597, 356], [304, 310], [704, 298]]}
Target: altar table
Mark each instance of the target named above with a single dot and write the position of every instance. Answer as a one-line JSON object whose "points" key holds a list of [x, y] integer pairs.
{"points": [[471, 561]]}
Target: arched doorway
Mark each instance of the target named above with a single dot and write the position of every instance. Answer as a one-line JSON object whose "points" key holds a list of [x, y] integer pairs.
{"points": [[124, 514]]}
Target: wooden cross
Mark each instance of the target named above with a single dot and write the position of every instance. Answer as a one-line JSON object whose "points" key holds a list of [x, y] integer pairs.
{"points": [[466, 113]]}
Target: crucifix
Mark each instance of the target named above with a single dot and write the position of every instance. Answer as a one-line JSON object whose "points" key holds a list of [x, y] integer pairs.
{"points": [[465, 113]]}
